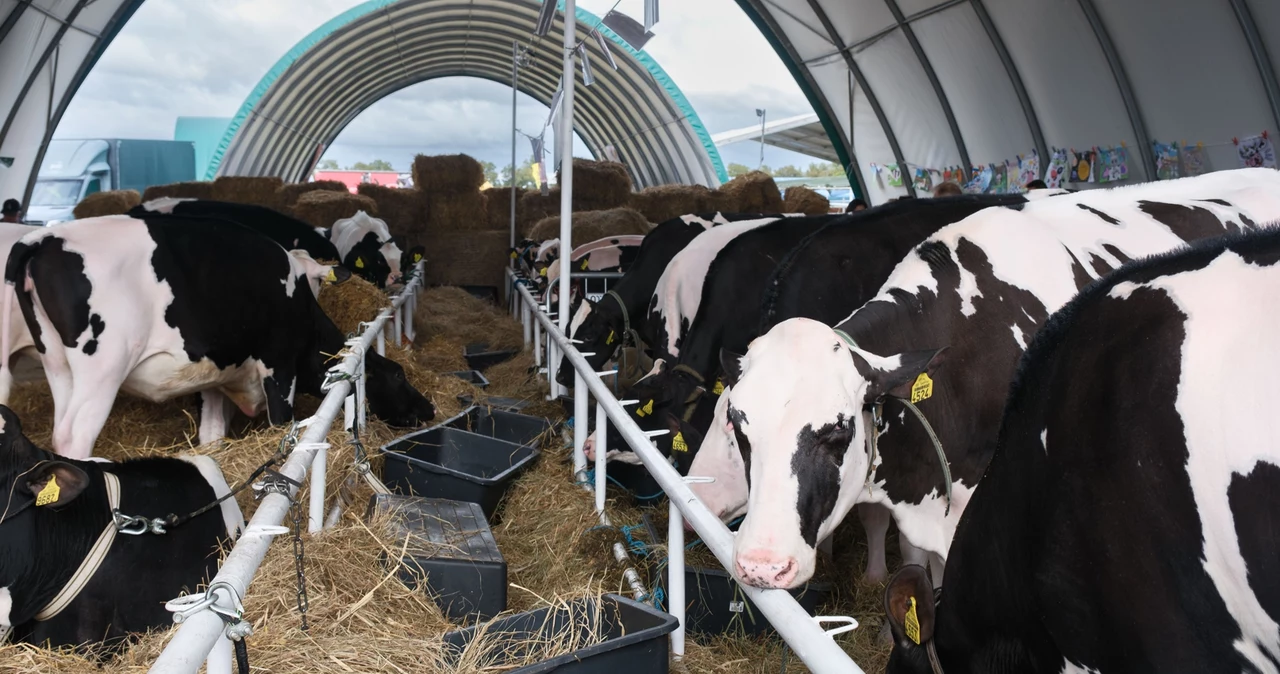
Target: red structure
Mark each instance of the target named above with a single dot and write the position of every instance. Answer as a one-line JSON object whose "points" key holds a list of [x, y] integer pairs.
{"points": [[353, 178]]}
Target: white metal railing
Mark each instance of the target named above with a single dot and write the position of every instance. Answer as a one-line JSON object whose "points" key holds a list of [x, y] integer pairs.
{"points": [[202, 633], [802, 632]]}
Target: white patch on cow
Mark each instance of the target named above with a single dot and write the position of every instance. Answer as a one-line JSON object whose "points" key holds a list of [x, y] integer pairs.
{"points": [[6, 607], [579, 317], [968, 290], [212, 474], [1044, 440], [1017, 336], [164, 204], [98, 459], [1227, 339], [679, 289], [719, 458], [1070, 667], [546, 248], [1122, 290]]}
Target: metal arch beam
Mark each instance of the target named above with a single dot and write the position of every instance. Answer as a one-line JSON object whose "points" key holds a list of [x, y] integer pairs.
{"points": [[1033, 120], [834, 36], [11, 20], [53, 46], [791, 58], [1122, 83], [1260, 57], [910, 34]]}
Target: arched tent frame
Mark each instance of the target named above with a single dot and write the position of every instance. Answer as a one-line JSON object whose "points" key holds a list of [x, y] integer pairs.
{"points": [[382, 46]]}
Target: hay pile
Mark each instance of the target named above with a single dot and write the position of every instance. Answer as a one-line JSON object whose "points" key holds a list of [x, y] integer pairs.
{"points": [[322, 209], [452, 313], [195, 189], [499, 207], [115, 202], [287, 195], [458, 212], [257, 190], [805, 200], [533, 207], [664, 202], [468, 258], [599, 185], [351, 302], [447, 174], [753, 192], [404, 210], [591, 225]]}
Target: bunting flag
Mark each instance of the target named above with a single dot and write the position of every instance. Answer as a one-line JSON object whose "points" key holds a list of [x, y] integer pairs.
{"points": [[611, 153], [1256, 151], [650, 13], [587, 79], [1194, 161], [537, 173], [1113, 164], [554, 106], [979, 180], [1028, 170], [924, 180], [1166, 160], [999, 179], [895, 175], [627, 28], [1082, 166], [604, 47], [1058, 170]]}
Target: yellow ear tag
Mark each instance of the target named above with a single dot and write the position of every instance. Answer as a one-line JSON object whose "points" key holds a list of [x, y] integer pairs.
{"points": [[332, 277], [585, 262], [542, 272], [609, 340], [359, 263], [718, 389], [911, 623], [646, 410], [513, 255], [417, 257], [678, 444], [922, 389], [50, 492]]}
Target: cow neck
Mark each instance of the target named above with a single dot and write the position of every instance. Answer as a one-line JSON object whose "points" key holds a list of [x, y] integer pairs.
{"points": [[92, 561]]}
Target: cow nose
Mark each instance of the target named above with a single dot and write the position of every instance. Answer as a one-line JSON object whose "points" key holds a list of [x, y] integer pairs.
{"points": [[766, 569], [589, 449]]}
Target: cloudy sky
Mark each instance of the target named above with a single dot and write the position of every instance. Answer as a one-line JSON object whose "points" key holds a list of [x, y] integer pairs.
{"points": [[202, 58]]}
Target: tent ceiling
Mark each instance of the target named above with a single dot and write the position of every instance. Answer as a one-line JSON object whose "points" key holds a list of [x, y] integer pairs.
{"points": [[938, 83], [802, 133], [381, 47]]}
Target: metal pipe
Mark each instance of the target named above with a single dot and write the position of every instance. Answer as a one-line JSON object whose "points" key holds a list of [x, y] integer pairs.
{"points": [[565, 139], [220, 657], [528, 328], [362, 402], [581, 426], [319, 473], [793, 624], [395, 316], [602, 442], [537, 347], [675, 576], [515, 82]]}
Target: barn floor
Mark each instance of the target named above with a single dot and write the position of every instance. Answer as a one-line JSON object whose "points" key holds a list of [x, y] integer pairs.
{"points": [[364, 620]]}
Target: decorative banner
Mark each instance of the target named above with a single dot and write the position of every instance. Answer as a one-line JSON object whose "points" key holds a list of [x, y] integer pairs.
{"points": [[537, 173], [1058, 170], [1194, 161], [1028, 170], [923, 181], [1166, 161], [979, 180], [1112, 164], [1256, 151], [603, 44], [585, 57], [999, 179], [1082, 166], [895, 175]]}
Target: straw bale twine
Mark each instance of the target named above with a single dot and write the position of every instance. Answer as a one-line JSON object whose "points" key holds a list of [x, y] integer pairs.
{"points": [[195, 189], [467, 258], [460, 211], [591, 225], [753, 192], [322, 209], [599, 185], [804, 200], [115, 202], [447, 174], [287, 195], [404, 210], [664, 202], [257, 190]]}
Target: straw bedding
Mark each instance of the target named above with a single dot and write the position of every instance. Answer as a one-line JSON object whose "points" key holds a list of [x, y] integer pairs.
{"points": [[754, 192], [322, 209], [404, 210], [115, 202], [287, 195], [447, 174], [805, 200], [351, 302], [195, 189], [258, 190], [589, 226], [453, 314]]}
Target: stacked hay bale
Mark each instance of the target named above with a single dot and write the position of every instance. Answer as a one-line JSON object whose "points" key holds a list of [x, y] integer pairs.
{"points": [[256, 190], [663, 202], [189, 190], [591, 225], [805, 200], [753, 192], [499, 204], [599, 185], [323, 208], [404, 210], [115, 202], [534, 207], [287, 195], [451, 184], [464, 246]]}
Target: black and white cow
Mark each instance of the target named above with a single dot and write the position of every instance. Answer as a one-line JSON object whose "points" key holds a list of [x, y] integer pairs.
{"points": [[366, 247], [23, 361], [599, 326], [290, 233], [959, 311], [166, 306], [610, 254], [1127, 521], [57, 510]]}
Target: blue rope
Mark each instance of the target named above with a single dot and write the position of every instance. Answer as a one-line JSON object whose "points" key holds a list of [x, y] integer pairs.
{"points": [[591, 480]]}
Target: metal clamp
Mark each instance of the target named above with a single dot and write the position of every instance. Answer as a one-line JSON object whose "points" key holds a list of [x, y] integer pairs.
{"points": [[273, 482], [136, 526]]}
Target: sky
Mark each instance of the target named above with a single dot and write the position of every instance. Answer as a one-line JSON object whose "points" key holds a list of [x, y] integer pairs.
{"points": [[203, 57]]}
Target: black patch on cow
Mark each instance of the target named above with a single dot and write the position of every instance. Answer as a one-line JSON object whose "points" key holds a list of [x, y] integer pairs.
{"points": [[97, 325], [1100, 266], [1188, 223], [738, 419], [64, 288], [1255, 507], [1103, 216], [1078, 273], [1116, 253], [1219, 202], [816, 464], [15, 274], [936, 254], [1248, 222], [288, 232]]}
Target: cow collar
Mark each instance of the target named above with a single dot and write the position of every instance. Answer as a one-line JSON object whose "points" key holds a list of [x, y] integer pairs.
{"points": [[629, 336], [92, 561]]}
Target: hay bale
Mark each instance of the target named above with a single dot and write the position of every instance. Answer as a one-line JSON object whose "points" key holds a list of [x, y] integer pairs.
{"points": [[534, 207], [591, 225], [453, 314], [447, 173], [115, 202], [467, 258], [805, 200], [322, 209], [753, 192], [499, 207], [195, 189], [287, 195], [599, 185], [664, 202], [462, 211], [352, 302], [257, 190], [404, 210]]}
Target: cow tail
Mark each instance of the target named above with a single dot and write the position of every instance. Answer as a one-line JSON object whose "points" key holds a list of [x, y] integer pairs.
{"points": [[15, 272]]}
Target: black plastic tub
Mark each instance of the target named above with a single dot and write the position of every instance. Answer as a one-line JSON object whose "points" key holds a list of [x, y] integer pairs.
{"points": [[635, 639], [471, 377], [445, 462], [520, 429], [450, 550], [480, 357], [496, 402]]}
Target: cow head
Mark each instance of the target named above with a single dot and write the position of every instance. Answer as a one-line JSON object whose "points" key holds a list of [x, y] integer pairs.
{"points": [[410, 257], [598, 328], [366, 260], [719, 458], [40, 511], [391, 397], [797, 417], [392, 252], [910, 606]]}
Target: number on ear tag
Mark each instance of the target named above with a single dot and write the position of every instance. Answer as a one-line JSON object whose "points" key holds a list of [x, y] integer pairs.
{"points": [[50, 492], [646, 410], [678, 443], [922, 389]]}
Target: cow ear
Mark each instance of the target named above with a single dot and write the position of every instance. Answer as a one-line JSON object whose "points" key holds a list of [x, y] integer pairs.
{"points": [[909, 606], [911, 379], [55, 483], [731, 363], [337, 275]]}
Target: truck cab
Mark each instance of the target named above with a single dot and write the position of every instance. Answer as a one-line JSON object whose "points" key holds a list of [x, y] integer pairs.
{"points": [[74, 169]]}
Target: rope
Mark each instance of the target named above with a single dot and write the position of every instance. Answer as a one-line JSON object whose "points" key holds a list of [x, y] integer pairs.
{"points": [[591, 480], [242, 657]]}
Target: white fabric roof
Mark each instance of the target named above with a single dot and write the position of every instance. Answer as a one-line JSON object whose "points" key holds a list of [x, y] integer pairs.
{"points": [[801, 133]]}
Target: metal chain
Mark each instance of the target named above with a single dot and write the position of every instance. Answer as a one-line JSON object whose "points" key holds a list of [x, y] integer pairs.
{"points": [[299, 551]]}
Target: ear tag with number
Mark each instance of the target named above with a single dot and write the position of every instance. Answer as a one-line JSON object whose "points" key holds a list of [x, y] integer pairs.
{"points": [[50, 492], [718, 389], [911, 623], [646, 410], [922, 389], [678, 444], [359, 263]]}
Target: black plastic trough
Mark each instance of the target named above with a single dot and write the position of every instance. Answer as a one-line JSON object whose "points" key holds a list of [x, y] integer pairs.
{"points": [[450, 550], [634, 639], [480, 357], [496, 402], [471, 377], [520, 429], [446, 462]]}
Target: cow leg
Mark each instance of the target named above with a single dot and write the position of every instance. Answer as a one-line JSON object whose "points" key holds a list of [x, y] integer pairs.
{"points": [[279, 392], [58, 372], [215, 415], [875, 522], [86, 414]]}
